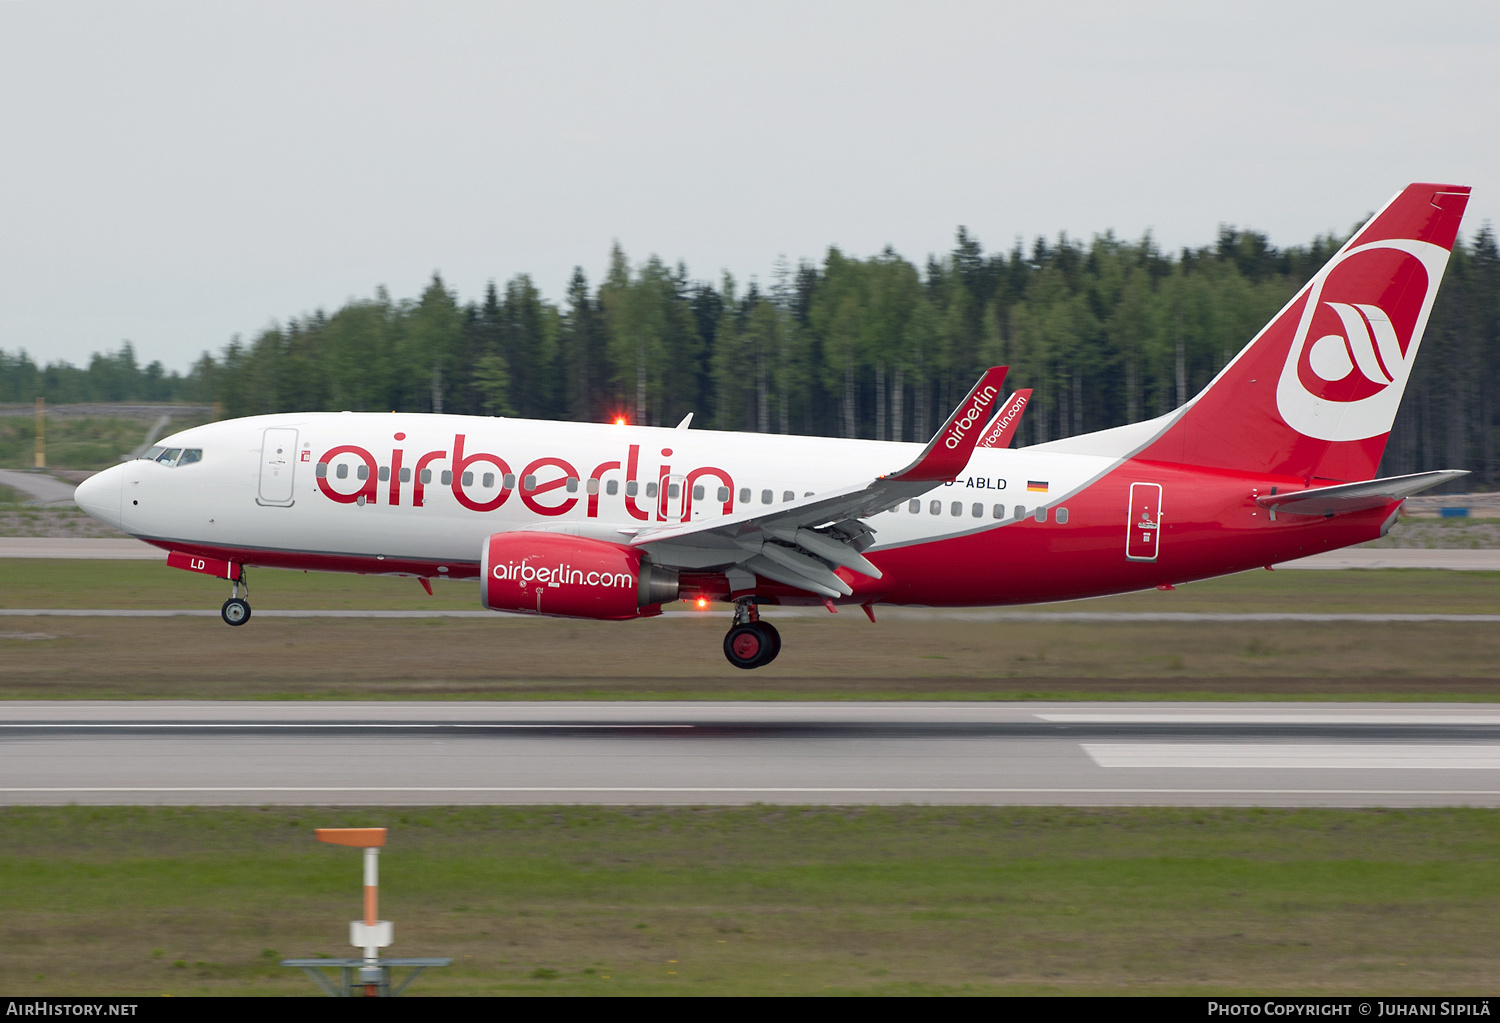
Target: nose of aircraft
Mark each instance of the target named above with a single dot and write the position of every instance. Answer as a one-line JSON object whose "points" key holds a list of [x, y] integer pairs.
{"points": [[99, 495]]}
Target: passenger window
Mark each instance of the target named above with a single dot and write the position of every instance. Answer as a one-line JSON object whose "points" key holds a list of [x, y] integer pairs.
{"points": [[766, 497], [529, 483], [1041, 514], [322, 471], [978, 511], [405, 475], [698, 492], [509, 483], [488, 479], [935, 508], [468, 479], [723, 495], [446, 478], [957, 509], [650, 489], [1020, 512], [426, 476], [631, 488], [915, 506], [808, 494], [572, 484], [787, 495], [744, 495], [673, 489], [592, 486], [341, 471], [612, 487], [362, 472], [1062, 516], [385, 473], [190, 455], [999, 511]]}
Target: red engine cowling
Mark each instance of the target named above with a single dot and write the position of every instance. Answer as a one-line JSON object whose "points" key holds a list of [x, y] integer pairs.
{"points": [[571, 577]]}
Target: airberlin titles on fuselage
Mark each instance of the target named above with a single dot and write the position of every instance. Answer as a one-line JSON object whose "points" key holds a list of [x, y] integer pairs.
{"points": [[416, 479]]}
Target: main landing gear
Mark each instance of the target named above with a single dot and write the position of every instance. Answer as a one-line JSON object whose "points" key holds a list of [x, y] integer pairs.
{"points": [[750, 642], [236, 610]]}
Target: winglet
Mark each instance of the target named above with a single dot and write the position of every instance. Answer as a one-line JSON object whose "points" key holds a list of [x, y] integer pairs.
{"points": [[1003, 427], [948, 452]]}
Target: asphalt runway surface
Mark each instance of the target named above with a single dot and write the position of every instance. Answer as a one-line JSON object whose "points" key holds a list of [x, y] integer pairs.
{"points": [[1079, 754]]}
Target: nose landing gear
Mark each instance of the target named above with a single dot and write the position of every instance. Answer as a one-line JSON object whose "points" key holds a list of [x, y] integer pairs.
{"points": [[750, 642], [236, 610]]}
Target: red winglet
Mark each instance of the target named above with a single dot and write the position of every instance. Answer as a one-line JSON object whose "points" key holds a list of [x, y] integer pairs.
{"points": [[948, 452], [1003, 427]]}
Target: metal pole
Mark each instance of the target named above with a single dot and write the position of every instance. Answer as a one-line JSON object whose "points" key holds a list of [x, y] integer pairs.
{"points": [[372, 915], [41, 433]]}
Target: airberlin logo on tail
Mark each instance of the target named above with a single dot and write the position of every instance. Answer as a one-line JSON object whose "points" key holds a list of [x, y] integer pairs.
{"points": [[1358, 332]]}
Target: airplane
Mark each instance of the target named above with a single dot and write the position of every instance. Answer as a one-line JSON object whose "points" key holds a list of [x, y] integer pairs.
{"points": [[1274, 460]]}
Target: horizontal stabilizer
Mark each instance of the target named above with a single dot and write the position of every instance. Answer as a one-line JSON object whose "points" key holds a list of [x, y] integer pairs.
{"points": [[1352, 497]]}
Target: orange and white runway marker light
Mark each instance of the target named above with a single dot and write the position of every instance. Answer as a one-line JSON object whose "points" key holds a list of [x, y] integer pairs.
{"points": [[371, 933]]}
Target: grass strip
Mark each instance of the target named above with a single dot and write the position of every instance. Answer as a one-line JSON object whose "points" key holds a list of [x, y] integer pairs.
{"points": [[758, 900]]}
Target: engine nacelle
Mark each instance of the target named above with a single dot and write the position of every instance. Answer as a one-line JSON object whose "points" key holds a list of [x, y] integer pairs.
{"points": [[571, 577]]}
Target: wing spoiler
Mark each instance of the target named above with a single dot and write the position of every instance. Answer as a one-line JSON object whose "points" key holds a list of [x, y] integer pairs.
{"points": [[1352, 497]]}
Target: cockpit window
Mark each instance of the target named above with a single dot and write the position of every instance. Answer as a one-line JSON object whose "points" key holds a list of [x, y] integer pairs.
{"points": [[174, 456]]}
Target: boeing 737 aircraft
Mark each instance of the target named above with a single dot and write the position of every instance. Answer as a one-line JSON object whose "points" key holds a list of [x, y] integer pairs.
{"points": [[1274, 460]]}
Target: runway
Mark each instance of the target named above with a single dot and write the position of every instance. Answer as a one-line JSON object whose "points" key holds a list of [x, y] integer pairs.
{"points": [[1079, 754]]}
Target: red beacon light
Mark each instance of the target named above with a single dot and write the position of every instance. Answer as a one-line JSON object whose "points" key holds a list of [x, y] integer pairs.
{"points": [[620, 421], [702, 603]]}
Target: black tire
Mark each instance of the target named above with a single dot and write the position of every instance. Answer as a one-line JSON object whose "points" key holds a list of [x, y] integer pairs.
{"points": [[746, 645], [774, 646], [235, 611]]}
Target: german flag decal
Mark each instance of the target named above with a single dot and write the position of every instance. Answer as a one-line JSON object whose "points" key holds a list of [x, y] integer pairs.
{"points": [[1037, 486]]}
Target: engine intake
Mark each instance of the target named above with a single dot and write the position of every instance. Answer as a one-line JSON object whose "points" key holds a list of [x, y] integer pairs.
{"points": [[571, 577]]}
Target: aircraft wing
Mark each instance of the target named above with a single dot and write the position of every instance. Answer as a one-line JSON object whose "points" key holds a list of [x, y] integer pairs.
{"points": [[1350, 497], [799, 543]]}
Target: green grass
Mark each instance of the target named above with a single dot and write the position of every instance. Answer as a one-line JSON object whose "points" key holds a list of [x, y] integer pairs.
{"points": [[75, 443], [9, 495], [825, 657], [568, 900], [43, 583]]}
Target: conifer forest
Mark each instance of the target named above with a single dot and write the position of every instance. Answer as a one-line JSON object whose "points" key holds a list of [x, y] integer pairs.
{"points": [[1105, 332]]}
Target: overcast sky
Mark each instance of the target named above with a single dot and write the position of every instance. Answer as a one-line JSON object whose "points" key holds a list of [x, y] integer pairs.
{"points": [[177, 173]]}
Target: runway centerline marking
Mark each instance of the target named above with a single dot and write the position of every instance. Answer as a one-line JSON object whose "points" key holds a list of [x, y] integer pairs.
{"points": [[731, 790], [309, 725], [1294, 756], [1281, 718]]}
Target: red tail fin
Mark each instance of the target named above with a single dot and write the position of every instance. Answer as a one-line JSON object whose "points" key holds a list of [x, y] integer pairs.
{"points": [[1315, 393]]}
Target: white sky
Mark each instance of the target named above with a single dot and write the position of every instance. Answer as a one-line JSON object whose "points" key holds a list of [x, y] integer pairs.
{"points": [[176, 173]]}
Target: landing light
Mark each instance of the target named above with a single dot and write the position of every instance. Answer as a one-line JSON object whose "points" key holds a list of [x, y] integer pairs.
{"points": [[620, 421], [702, 603]]}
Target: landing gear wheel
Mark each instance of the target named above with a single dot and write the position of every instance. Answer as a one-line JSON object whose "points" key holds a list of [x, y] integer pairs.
{"points": [[752, 644], [235, 611], [775, 643]]}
